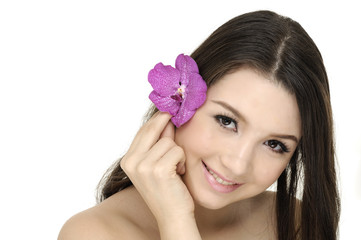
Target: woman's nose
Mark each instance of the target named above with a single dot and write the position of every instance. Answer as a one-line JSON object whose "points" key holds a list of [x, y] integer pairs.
{"points": [[238, 158]]}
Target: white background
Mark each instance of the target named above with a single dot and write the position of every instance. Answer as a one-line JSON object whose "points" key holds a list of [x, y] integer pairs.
{"points": [[73, 90]]}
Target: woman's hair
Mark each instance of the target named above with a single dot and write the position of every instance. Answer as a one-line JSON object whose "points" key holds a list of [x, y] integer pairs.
{"points": [[280, 49]]}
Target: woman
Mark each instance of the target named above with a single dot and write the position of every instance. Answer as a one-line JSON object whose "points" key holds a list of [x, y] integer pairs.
{"points": [[267, 117]]}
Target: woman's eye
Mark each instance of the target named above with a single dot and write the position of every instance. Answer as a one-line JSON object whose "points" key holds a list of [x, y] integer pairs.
{"points": [[276, 146], [227, 122]]}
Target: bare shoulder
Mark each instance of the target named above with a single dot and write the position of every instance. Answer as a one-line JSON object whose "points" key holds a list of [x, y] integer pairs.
{"points": [[122, 216], [85, 225]]}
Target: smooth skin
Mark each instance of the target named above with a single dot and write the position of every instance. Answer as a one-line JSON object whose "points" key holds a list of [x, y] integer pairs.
{"points": [[241, 132]]}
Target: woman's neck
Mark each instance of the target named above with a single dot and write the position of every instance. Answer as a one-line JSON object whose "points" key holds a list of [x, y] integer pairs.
{"points": [[247, 213]]}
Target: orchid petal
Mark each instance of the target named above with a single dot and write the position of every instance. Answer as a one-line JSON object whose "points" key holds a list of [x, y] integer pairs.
{"points": [[164, 79], [196, 94], [165, 104], [182, 116], [186, 65]]}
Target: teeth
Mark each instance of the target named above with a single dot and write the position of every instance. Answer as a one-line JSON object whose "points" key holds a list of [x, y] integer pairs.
{"points": [[218, 179]]}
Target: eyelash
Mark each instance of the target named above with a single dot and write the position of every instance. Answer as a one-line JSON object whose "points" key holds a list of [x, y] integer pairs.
{"points": [[221, 118], [284, 148]]}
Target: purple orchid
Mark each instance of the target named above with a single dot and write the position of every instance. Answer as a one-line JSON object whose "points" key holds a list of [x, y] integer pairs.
{"points": [[178, 91]]}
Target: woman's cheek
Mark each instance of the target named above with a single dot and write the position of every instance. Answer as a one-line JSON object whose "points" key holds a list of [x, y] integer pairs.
{"points": [[200, 143], [197, 138], [269, 170]]}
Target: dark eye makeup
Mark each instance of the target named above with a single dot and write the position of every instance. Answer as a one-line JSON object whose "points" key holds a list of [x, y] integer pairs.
{"points": [[277, 146], [226, 122]]}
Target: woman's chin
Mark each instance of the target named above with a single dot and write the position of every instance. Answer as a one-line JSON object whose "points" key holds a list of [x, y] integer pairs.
{"points": [[210, 205], [208, 200]]}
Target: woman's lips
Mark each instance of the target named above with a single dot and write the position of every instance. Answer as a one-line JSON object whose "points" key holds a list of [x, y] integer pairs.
{"points": [[218, 182]]}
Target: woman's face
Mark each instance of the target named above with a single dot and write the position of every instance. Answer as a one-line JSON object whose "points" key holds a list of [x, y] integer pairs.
{"points": [[239, 142]]}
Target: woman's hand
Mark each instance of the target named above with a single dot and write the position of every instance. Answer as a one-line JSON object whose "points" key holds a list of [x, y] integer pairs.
{"points": [[154, 164]]}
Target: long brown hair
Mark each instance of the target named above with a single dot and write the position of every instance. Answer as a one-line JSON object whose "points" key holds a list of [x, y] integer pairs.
{"points": [[279, 48]]}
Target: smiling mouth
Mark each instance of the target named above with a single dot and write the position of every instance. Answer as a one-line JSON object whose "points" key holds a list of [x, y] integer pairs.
{"points": [[218, 178]]}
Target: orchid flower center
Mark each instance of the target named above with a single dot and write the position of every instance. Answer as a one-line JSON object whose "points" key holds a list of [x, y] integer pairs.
{"points": [[181, 90], [179, 94]]}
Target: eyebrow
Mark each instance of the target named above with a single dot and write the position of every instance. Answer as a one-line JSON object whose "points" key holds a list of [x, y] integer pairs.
{"points": [[231, 109], [242, 118], [289, 137]]}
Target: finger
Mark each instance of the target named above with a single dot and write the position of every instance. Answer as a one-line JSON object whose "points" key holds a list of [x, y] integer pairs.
{"points": [[181, 168], [149, 134], [158, 150], [168, 131], [172, 161]]}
